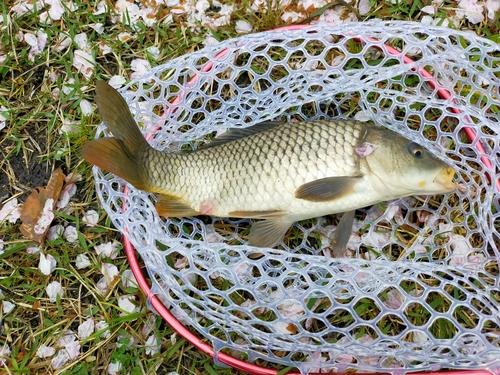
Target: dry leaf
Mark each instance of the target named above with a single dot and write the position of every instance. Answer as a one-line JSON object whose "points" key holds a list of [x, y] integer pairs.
{"points": [[36, 213]]}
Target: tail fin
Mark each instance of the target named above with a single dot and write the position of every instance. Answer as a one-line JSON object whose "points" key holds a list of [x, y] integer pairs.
{"points": [[123, 154]]}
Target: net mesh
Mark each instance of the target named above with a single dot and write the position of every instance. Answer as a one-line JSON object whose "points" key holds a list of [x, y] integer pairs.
{"points": [[420, 289]]}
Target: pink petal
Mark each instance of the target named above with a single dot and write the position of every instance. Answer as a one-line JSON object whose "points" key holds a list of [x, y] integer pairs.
{"points": [[45, 351], [65, 196], [86, 329], [60, 359], [10, 211], [149, 325], [46, 218], [365, 149]]}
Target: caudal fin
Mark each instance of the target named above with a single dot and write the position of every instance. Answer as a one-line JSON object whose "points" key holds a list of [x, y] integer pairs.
{"points": [[123, 154]]}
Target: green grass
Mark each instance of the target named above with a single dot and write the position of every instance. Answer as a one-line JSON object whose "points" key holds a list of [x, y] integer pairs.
{"points": [[31, 146]]}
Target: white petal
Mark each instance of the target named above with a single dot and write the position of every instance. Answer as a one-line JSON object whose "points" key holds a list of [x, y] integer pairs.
{"points": [[282, 328], [114, 367], [55, 232], [291, 309], [116, 81], [109, 250], [98, 27], [63, 42], [103, 325], [110, 271], [154, 52], [90, 218], [243, 27], [429, 9], [363, 7], [86, 329], [53, 290], [140, 67], [73, 349], [45, 351], [82, 261], [210, 41], [70, 234], [104, 49], [86, 107], [419, 336], [102, 286], [100, 8], [4, 353], [60, 359], [291, 17], [363, 116], [128, 279], [7, 306], [84, 63], [152, 345], [82, 42], [125, 303], [47, 264], [492, 6], [73, 177], [67, 338], [123, 37], [33, 250], [56, 10]]}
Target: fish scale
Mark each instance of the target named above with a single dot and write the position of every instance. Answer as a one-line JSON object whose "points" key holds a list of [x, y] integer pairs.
{"points": [[261, 172], [278, 172]]}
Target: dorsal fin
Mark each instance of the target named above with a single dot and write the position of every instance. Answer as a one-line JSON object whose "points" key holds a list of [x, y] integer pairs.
{"points": [[238, 133]]}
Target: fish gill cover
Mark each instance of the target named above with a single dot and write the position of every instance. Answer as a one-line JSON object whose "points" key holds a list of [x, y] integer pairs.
{"points": [[419, 288]]}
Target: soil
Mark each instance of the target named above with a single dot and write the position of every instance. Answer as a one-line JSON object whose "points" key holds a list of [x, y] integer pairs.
{"points": [[17, 174]]}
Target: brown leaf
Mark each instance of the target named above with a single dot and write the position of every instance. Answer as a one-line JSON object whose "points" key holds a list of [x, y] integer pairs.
{"points": [[33, 208]]}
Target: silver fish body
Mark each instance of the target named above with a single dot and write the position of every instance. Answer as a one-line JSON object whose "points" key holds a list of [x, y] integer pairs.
{"points": [[280, 172]]}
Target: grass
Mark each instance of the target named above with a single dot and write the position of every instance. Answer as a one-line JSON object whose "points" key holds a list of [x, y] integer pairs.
{"points": [[32, 145]]}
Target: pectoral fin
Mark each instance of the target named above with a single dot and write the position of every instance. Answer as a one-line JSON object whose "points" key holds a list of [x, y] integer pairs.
{"points": [[326, 189], [173, 207], [342, 234], [268, 233]]}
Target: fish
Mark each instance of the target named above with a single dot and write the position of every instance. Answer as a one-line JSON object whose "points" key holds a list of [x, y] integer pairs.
{"points": [[277, 172]]}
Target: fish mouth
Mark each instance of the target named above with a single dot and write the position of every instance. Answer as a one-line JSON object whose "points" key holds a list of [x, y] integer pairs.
{"points": [[445, 177]]}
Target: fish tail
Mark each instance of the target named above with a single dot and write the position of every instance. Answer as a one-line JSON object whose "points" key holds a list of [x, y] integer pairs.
{"points": [[122, 155]]}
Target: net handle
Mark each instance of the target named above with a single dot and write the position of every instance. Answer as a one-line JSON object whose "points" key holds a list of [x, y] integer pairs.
{"points": [[226, 358]]}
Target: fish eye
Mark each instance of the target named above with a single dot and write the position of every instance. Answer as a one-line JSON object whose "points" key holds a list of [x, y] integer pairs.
{"points": [[416, 150]]}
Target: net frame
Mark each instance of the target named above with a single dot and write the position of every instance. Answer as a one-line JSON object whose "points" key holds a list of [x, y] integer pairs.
{"points": [[224, 358]]}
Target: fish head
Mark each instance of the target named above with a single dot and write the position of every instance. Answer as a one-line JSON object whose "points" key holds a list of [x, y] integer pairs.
{"points": [[401, 167]]}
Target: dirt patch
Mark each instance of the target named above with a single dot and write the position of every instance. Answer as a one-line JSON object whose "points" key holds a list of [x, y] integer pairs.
{"points": [[24, 171]]}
